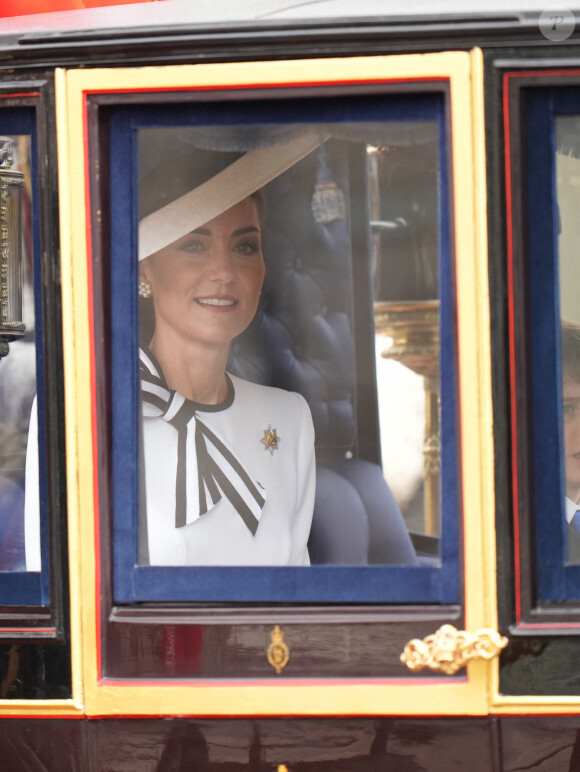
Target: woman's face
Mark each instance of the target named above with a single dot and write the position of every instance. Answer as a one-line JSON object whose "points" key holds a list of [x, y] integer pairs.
{"points": [[206, 285]]}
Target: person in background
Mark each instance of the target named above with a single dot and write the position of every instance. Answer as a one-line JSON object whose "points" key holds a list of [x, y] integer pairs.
{"points": [[571, 420]]}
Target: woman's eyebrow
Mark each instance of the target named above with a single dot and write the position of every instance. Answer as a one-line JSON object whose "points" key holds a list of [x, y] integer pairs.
{"points": [[239, 232], [248, 229]]}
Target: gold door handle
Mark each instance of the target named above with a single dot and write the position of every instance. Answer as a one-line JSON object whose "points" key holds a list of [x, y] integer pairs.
{"points": [[449, 649]]}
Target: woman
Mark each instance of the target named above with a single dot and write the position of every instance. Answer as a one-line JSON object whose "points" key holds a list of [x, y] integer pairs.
{"points": [[228, 465]]}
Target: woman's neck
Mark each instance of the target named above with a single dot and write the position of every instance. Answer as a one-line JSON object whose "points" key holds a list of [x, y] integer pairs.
{"points": [[195, 370]]}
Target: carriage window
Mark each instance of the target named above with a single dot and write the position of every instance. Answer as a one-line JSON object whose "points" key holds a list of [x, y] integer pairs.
{"points": [[552, 275], [22, 558], [296, 352]]}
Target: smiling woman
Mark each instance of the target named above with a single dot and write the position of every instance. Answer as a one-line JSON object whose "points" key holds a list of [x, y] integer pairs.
{"points": [[228, 465], [205, 289]]}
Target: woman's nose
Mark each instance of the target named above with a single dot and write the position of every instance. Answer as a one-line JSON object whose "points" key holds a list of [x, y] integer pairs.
{"points": [[222, 265]]}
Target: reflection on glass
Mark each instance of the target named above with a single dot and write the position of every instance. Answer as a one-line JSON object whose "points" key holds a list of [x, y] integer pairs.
{"points": [[319, 240], [405, 263], [17, 390], [568, 197]]}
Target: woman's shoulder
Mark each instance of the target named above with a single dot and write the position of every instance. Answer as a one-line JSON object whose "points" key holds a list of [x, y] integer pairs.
{"points": [[267, 395]]}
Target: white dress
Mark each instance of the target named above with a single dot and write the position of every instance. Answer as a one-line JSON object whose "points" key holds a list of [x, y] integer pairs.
{"points": [[283, 470]]}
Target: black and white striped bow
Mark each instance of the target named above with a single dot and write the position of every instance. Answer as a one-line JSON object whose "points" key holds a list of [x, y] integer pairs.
{"points": [[207, 468]]}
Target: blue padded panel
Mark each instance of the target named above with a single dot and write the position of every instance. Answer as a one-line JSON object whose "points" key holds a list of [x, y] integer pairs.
{"points": [[340, 531], [390, 543]]}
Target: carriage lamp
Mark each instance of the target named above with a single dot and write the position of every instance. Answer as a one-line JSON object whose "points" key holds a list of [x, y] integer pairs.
{"points": [[11, 185]]}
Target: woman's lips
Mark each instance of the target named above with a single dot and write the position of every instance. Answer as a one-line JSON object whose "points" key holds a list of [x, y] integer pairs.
{"points": [[217, 302]]}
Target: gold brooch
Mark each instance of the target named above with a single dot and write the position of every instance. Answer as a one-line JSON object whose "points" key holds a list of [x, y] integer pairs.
{"points": [[270, 440]]}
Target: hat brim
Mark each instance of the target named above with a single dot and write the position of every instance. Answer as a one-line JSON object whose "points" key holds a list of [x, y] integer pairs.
{"points": [[236, 182]]}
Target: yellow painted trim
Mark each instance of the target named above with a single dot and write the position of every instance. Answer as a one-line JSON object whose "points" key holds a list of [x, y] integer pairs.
{"points": [[299, 72], [411, 695], [530, 705], [483, 380], [75, 336], [40, 708]]}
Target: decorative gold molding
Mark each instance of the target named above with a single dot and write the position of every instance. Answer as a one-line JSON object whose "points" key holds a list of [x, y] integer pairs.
{"points": [[414, 327], [278, 651], [449, 649]]}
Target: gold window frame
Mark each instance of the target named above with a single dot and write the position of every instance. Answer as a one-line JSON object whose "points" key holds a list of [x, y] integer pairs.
{"points": [[275, 696]]}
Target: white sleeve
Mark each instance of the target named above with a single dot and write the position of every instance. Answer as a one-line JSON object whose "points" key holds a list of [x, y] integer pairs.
{"points": [[306, 485], [31, 496]]}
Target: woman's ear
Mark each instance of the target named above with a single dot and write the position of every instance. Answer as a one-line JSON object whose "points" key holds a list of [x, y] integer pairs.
{"points": [[144, 270]]}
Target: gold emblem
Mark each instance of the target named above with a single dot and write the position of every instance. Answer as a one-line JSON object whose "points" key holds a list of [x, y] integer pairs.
{"points": [[278, 651], [449, 649], [270, 439]]}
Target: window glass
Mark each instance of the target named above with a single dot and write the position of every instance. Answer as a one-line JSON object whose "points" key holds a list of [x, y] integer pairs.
{"points": [[311, 261], [405, 259], [568, 199], [18, 387], [551, 275]]}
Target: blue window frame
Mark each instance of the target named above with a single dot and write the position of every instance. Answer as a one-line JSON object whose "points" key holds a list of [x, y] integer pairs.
{"points": [[435, 582], [19, 587]]}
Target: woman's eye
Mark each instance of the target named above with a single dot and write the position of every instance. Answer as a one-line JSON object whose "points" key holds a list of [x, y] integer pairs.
{"points": [[568, 409], [247, 248], [192, 246]]}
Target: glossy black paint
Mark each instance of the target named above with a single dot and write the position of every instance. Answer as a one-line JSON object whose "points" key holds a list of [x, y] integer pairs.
{"points": [[34, 672], [531, 665], [492, 744], [256, 745]]}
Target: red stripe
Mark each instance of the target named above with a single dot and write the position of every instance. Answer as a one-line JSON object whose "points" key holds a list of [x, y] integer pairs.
{"points": [[292, 85], [512, 344], [30, 94]]}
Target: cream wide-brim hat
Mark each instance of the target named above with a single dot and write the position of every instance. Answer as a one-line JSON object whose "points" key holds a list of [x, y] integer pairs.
{"points": [[238, 180]]}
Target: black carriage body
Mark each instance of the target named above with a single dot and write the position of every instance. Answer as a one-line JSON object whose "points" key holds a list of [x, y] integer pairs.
{"points": [[527, 713]]}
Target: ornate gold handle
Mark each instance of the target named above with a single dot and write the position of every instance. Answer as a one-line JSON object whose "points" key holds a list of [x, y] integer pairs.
{"points": [[449, 649]]}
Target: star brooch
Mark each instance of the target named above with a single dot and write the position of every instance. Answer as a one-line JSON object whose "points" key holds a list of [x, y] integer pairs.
{"points": [[270, 440]]}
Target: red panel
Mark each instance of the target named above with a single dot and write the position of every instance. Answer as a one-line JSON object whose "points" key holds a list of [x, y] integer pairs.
{"points": [[26, 7]]}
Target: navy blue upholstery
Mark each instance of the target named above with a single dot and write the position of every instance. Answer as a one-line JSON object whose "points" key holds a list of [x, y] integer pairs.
{"points": [[303, 339]]}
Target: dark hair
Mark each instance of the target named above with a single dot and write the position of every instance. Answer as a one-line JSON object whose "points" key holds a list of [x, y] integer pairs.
{"points": [[260, 200], [570, 333]]}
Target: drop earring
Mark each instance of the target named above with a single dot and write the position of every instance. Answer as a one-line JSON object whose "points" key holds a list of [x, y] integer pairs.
{"points": [[145, 289]]}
